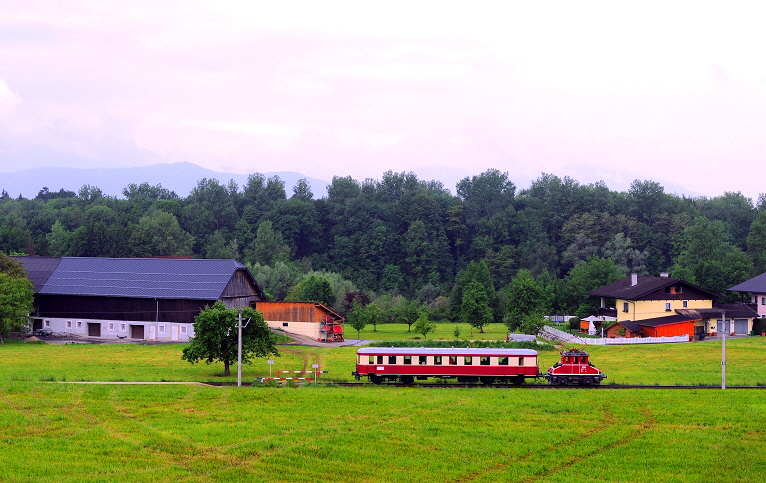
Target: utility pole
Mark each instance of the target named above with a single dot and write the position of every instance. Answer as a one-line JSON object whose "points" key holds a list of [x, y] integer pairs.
{"points": [[723, 349], [239, 347]]}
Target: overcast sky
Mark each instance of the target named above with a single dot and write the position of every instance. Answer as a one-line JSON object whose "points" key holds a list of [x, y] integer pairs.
{"points": [[670, 92]]}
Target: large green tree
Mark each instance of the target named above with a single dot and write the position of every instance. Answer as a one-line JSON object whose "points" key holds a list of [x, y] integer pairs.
{"points": [[475, 309], [216, 337], [594, 273], [525, 298], [16, 296]]}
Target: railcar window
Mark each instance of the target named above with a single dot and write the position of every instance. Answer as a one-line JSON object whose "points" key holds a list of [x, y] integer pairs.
{"points": [[372, 360], [408, 359], [380, 359], [502, 361], [422, 360], [484, 360], [521, 361], [392, 359], [453, 360], [467, 361], [437, 360]]}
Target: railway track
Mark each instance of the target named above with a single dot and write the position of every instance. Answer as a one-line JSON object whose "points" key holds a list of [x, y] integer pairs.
{"points": [[531, 386]]}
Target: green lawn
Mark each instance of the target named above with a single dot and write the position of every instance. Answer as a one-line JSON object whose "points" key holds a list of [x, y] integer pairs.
{"points": [[444, 331], [53, 432]]}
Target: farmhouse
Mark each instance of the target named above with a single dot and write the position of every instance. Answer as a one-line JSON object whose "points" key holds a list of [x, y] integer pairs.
{"points": [[305, 318], [133, 298], [756, 286], [666, 306]]}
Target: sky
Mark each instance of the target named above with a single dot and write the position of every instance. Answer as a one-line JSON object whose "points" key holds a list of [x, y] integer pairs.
{"points": [[673, 92]]}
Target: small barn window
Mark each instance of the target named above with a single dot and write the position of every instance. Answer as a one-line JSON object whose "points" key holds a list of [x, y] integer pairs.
{"points": [[392, 359], [79, 324], [284, 324], [68, 324], [407, 359], [162, 329], [47, 323], [502, 361], [123, 327], [111, 325], [184, 329]]}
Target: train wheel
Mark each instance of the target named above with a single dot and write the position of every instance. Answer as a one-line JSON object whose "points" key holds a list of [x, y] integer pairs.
{"points": [[375, 379], [588, 381], [554, 380], [517, 381], [407, 380], [487, 380]]}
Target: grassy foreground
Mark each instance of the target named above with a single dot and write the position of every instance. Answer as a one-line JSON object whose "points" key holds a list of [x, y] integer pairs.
{"points": [[73, 433]]}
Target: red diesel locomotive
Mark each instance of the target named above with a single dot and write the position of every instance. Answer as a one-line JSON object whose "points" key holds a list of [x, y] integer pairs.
{"points": [[489, 366]]}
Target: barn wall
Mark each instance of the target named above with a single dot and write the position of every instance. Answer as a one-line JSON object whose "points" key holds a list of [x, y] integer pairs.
{"points": [[240, 292], [118, 329], [118, 308], [290, 311], [309, 329]]}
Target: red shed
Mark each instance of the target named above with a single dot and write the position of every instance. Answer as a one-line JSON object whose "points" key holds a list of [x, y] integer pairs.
{"points": [[670, 326]]}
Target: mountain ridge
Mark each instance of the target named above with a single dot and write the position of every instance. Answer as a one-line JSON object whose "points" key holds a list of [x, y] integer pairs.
{"points": [[180, 177]]}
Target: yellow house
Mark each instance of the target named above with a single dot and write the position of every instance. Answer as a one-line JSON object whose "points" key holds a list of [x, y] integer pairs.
{"points": [[665, 306]]}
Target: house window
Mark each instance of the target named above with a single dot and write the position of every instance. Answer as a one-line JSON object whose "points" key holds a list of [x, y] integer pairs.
{"points": [[47, 324], [667, 306], [123, 328], [68, 324], [685, 304], [111, 325], [625, 307], [392, 359]]}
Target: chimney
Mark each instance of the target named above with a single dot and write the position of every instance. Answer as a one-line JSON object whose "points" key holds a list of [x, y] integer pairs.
{"points": [[633, 279], [664, 274]]}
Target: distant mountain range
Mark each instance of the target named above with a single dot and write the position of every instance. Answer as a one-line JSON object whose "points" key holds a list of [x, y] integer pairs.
{"points": [[178, 177]]}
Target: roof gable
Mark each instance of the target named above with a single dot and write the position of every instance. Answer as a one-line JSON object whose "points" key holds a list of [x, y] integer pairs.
{"points": [[623, 288], [161, 278], [756, 284]]}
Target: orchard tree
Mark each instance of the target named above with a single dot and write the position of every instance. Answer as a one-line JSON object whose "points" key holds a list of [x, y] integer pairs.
{"points": [[475, 309], [424, 326], [216, 337]]}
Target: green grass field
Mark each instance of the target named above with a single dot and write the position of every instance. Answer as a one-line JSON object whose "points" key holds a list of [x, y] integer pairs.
{"points": [[83, 433]]}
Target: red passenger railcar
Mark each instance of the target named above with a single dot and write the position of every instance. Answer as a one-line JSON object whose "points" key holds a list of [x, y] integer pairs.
{"points": [[466, 365]]}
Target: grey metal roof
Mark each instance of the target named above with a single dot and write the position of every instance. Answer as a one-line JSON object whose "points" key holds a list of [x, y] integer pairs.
{"points": [[162, 278], [756, 284], [39, 269], [670, 319]]}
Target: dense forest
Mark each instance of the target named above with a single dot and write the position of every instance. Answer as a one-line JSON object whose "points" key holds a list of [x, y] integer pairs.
{"points": [[401, 240]]}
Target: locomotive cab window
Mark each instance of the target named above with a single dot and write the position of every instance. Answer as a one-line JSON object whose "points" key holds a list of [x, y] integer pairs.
{"points": [[502, 361], [392, 359], [408, 359], [484, 360], [437, 360], [467, 361], [453, 360], [422, 360]]}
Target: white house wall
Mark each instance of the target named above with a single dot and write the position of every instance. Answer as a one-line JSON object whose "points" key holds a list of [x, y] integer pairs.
{"points": [[308, 329], [119, 329]]}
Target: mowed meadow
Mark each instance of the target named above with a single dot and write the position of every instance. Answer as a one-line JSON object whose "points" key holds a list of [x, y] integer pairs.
{"points": [[56, 431]]}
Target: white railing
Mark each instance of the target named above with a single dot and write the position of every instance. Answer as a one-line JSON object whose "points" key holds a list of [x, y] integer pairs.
{"points": [[556, 334]]}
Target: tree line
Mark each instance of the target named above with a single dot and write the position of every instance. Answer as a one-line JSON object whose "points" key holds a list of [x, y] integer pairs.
{"points": [[489, 253]]}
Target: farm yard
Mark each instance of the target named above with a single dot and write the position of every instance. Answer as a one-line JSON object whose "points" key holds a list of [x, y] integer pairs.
{"points": [[82, 433]]}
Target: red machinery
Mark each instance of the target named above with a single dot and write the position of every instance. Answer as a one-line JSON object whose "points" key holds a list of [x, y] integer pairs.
{"points": [[574, 368]]}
